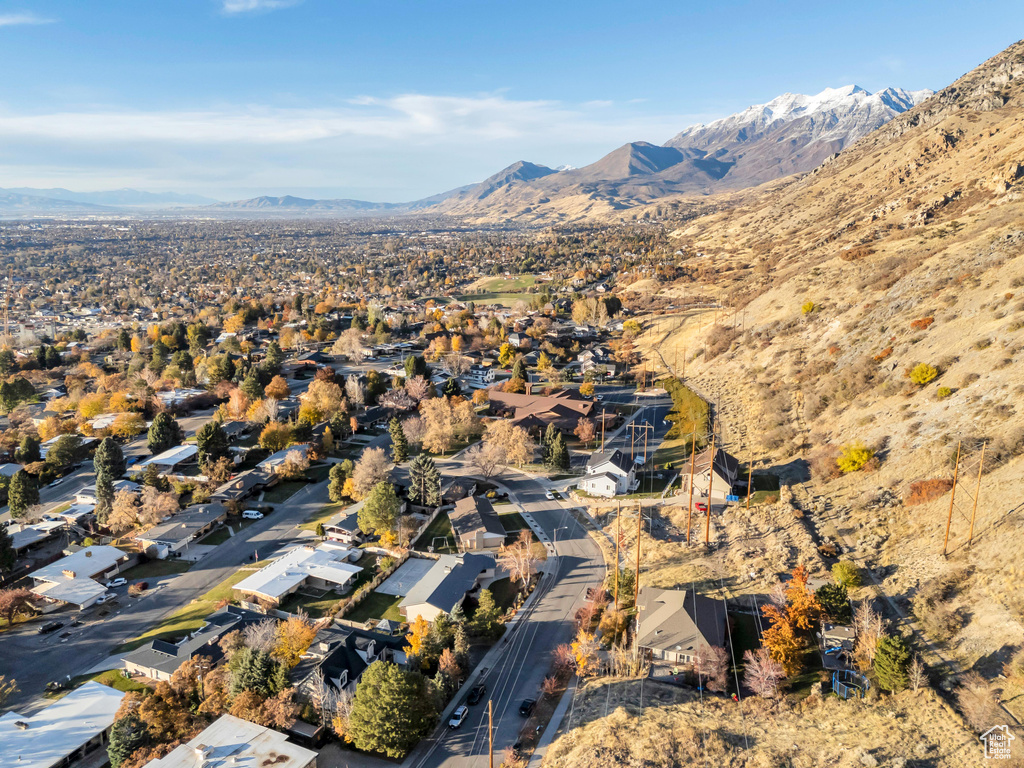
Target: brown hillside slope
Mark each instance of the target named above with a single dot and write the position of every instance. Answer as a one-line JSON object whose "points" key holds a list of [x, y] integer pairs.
{"points": [[907, 248]]}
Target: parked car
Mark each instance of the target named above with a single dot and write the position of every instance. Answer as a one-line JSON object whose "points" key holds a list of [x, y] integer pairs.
{"points": [[550, 496], [517, 750], [458, 716], [477, 693], [120, 581], [700, 506], [106, 598], [252, 514], [526, 708], [50, 626]]}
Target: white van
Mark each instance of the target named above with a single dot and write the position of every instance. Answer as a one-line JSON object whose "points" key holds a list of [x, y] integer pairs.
{"points": [[252, 514]]}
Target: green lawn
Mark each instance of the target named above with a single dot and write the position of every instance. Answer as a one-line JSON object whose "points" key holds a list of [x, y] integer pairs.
{"points": [[221, 535], [114, 678], [325, 514], [156, 568], [673, 453], [318, 472], [377, 606], [315, 607], [192, 616], [283, 491], [440, 526], [492, 297], [516, 283], [513, 523]]}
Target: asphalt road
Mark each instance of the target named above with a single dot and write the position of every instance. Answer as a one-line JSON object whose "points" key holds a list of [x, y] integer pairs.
{"points": [[526, 656]]}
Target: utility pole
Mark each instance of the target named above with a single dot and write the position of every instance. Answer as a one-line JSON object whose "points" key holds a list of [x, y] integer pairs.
{"points": [[636, 581], [750, 475], [618, 535], [693, 456], [490, 732], [711, 480], [952, 496], [977, 493], [683, 377]]}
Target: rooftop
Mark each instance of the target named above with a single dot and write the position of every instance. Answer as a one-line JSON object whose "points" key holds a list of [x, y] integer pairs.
{"points": [[58, 730], [447, 581], [171, 457], [233, 741], [473, 513], [70, 578], [327, 561], [679, 620]]}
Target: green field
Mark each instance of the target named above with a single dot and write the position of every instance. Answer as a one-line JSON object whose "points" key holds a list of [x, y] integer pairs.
{"points": [[491, 297], [377, 606], [440, 526], [156, 568], [192, 616], [283, 491], [499, 284], [325, 514]]}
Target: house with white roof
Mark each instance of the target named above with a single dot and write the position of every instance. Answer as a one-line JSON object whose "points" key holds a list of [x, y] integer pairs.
{"points": [[68, 733], [229, 740], [169, 460], [327, 566], [75, 579]]}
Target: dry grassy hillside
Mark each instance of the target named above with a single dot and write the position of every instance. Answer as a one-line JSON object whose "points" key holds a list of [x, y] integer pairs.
{"points": [[906, 249], [676, 728]]}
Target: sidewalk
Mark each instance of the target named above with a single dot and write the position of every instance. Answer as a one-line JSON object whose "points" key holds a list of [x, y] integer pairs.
{"points": [[554, 726]]}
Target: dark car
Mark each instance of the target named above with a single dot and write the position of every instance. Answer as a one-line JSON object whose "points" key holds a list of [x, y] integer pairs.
{"points": [[527, 707], [477, 693], [50, 626], [517, 750]]}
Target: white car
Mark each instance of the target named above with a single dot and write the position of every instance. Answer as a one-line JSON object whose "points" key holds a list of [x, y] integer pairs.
{"points": [[550, 496], [105, 598], [118, 582], [458, 716]]}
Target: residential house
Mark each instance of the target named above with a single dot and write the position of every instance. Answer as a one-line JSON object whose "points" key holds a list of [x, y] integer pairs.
{"points": [[675, 623], [159, 659], [170, 461], [275, 462], [88, 495], [534, 413], [342, 654], [73, 731], [169, 538], [25, 536], [323, 566], [609, 474], [231, 741], [450, 579], [345, 527], [245, 484], [476, 525], [726, 472], [76, 579]]}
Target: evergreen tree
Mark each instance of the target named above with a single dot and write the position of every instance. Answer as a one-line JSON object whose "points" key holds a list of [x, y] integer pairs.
{"points": [[559, 458], [109, 464], [336, 484], [7, 554], [835, 603], [399, 443], [379, 513], [7, 362], [211, 442], [253, 670], [392, 710], [251, 385], [64, 452], [53, 358], [320, 530], [485, 620], [425, 482], [275, 357], [127, 735], [164, 433], [891, 660], [519, 369], [548, 440], [28, 450], [451, 388], [22, 494]]}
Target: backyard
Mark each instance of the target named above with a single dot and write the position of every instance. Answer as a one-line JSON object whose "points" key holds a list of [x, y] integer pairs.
{"points": [[440, 527], [377, 606], [322, 516]]}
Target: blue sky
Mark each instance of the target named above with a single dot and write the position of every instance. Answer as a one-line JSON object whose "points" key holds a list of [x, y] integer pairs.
{"points": [[392, 100]]}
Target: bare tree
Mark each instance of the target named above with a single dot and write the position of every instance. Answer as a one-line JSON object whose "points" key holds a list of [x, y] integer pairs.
{"points": [[454, 364], [762, 674], [397, 399], [869, 627], [355, 390], [156, 505], [487, 459], [372, 468], [415, 429], [916, 673], [418, 388], [711, 663], [518, 558], [261, 636], [350, 344]]}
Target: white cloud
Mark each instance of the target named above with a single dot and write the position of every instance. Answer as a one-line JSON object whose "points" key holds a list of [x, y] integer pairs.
{"points": [[20, 19], [255, 6], [394, 148]]}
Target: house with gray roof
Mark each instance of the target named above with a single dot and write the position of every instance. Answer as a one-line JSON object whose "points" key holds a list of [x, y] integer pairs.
{"points": [[675, 623], [476, 525], [177, 531], [450, 579], [342, 654], [609, 474]]}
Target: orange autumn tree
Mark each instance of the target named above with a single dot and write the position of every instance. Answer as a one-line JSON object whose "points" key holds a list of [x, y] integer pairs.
{"points": [[781, 640], [802, 606], [419, 630]]}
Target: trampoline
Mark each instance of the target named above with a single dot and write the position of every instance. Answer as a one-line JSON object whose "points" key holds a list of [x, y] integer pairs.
{"points": [[849, 684]]}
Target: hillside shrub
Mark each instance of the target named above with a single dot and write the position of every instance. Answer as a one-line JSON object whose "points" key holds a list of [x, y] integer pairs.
{"points": [[846, 574], [923, 373], [853, 457], [922, 323], [807, 308], [943, 392], [923, 491]]}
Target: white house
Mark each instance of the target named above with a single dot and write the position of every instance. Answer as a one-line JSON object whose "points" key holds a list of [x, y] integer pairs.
{"points": [[232, 741], [609, 474], [326, 566], [75, 579]]}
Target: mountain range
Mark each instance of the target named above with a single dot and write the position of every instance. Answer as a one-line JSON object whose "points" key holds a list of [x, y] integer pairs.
{"points": [[792, 133]]}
